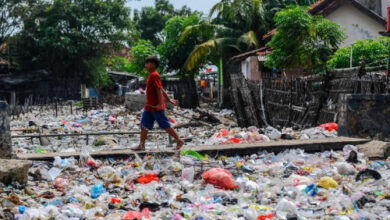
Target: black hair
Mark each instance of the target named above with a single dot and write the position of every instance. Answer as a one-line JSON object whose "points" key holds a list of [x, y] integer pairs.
{"points": [[153, 59]]}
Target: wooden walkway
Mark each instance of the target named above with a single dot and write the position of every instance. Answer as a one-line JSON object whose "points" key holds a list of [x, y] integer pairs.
{"points": [[228, 150]]}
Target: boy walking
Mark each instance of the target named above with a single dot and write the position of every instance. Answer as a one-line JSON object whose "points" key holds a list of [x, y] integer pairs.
{"points": [[155, 105]]}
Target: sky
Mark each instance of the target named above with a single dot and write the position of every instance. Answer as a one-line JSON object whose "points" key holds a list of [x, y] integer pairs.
{"points": [[199, 5]]}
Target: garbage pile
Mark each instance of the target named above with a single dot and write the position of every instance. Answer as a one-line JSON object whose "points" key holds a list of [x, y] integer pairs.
{"points": [[290, 185], [197, 127], [253, 134]]}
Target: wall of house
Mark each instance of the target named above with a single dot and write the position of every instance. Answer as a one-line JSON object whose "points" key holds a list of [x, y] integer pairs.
{"points": [[250, 68], [374, 5], [385, 3], [358, 25]]}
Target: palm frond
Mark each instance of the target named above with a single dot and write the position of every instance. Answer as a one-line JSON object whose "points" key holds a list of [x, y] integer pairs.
{"points": [[249, 39], [201, 51]]}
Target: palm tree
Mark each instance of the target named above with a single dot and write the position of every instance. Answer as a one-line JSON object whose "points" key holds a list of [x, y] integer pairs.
{"points": [[236, 26]]}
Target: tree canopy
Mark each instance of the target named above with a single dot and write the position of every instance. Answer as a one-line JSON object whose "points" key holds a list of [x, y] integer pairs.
{"points": [[374, 52], [71, 38], [174, 54], [150, 21], [303, 40]]}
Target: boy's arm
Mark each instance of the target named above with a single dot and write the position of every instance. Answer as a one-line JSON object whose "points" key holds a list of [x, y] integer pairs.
{"points": [[160, 95], [173, 101]]}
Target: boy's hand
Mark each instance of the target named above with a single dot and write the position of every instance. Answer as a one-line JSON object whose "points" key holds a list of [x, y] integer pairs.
{"points": [[174, 102]]}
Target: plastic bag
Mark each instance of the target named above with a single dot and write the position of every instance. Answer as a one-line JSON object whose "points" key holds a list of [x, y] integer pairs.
{"points": [[285, 207], [97, 190], [192, 153], [148, 178], [273, 133], [330, 126], [188, 174], [53, 173], [221, 178], [61, 184], [131, 215], [327, 182]]}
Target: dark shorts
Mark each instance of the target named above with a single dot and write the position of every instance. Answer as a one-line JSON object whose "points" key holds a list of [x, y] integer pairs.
{"points": [[148, 119]]}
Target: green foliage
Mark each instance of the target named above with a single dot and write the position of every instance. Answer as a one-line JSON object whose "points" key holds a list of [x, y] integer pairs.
{"points": [[174, 54], [375, 52], [139, 53], [236, 27], [7, 23], [303, 40], [121, 64], [151, 20], [71, 38], [274, 6]]}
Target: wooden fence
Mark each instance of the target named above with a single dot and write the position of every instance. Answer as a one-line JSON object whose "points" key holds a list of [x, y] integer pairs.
{"points": [[302, 102]]}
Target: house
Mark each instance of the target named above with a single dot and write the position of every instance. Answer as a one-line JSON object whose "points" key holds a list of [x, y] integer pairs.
{"points": [[362, 19], [251, 63]]}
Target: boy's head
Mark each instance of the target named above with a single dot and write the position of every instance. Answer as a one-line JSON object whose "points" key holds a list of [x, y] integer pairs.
{"points": [[152, 63]]}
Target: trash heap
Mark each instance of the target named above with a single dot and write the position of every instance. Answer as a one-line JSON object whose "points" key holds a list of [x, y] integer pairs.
{"points": [[197, 127], [290, 185]]}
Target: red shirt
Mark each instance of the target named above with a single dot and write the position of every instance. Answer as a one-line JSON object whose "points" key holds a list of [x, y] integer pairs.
{"points": [[152, 84]]}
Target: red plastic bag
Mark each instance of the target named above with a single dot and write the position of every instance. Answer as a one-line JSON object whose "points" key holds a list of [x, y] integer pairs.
{"points": [[115, 201], [265, 217], [330, 126], [147, 178], [233, 141], [223, 133], [131, 215], [221, 178]]}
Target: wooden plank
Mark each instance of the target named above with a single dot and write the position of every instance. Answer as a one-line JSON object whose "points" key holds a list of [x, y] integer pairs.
{"points": [[85, 134], [234, 149]]}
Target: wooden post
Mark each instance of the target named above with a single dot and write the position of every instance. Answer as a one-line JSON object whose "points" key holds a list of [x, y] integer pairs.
{"points": [[5, 134], [211, 91]]}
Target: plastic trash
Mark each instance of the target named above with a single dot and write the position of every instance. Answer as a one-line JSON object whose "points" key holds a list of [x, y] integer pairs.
{"points": [[53, 173], [22, 209], [188, 174], [97, 190], [345, 168], [148, 178], [327, 182], [221, 178], [311, 190], [192, 153], [353, 157], [368, 173], [60, 184], [330, 126], [285, 208], [266, 216], [273, 133]]}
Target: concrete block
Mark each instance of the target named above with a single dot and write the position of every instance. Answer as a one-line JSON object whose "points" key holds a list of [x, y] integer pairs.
{"points": [[375, 149], [135, 102], [14, 170], [364, 116]]}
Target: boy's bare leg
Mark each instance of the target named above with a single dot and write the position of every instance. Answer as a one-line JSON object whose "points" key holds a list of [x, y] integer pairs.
{"points": [[173, 133], [141, 146]]}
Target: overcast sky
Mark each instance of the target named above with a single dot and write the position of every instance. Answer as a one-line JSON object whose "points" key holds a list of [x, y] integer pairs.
{"points": [[199, 5]]}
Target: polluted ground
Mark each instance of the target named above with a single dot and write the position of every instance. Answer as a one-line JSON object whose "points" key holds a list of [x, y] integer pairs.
{"points": [[289, 185]]}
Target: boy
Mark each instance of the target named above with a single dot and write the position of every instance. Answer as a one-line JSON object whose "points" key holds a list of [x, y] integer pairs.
{"points": [[155, 105]]}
